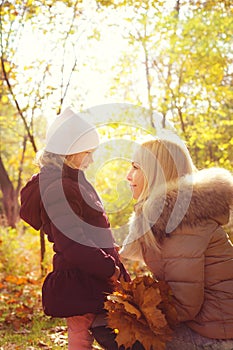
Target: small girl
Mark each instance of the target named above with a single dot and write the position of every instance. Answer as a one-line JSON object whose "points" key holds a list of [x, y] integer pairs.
{"points": [[60, 201]]}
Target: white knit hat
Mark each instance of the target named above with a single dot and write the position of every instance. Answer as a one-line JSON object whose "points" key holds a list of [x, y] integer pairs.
{"points": [[70, 134]]}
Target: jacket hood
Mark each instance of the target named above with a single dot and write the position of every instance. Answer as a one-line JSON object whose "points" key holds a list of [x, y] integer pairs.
{"points": [[30, 198], [204, 195], [30, 195]]}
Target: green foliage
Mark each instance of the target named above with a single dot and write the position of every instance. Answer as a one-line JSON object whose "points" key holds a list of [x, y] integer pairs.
{"points": [[178, 61], [19, 162], [187, 62], [185, 52], [13, 245]]}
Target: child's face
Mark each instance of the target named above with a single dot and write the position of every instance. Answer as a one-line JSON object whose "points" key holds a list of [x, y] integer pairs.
{"points": [[80, 160]]}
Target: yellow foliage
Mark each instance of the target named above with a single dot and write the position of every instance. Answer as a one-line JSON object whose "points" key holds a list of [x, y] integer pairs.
{"points": [[7, 67], [16, 280], [4, 99]]}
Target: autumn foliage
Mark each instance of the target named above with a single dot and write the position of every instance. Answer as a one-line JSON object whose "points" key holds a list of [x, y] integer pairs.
{"points": [[142, 310]]}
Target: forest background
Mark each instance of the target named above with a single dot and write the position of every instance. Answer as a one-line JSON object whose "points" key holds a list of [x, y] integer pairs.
{"points": [[145, 66]]}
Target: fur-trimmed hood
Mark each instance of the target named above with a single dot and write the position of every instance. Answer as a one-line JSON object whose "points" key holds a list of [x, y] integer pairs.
{"points": [[204, 195]]}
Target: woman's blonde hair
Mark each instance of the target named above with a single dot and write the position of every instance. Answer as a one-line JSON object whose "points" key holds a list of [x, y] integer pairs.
{"points": [[162, 161]]}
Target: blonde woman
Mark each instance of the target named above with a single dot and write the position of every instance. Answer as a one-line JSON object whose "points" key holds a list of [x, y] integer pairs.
{"points": [[177, 232]]}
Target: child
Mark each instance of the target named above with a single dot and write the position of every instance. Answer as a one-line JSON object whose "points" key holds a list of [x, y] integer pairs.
{"points": [[60, 201]]}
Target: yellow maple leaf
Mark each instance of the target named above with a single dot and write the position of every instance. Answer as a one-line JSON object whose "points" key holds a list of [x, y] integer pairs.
{"points": [[125, 335], [146, 337], [167, 305], [128, 306], [155, 318], [139, 310]]}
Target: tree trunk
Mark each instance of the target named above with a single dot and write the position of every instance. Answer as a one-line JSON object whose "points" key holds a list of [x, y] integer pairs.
{"points": [[42, 253], [10, 197]]}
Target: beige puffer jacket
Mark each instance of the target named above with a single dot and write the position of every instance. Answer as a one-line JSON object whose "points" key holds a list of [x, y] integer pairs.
{"points": [[196, 256]]}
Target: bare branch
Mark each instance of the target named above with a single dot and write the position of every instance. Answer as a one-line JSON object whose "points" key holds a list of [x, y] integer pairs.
{"points": [[20, 170], [63, 93], [31, 138]]}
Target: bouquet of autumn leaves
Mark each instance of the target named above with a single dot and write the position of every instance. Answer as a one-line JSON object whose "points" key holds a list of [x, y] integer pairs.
{"points": [[142, 310]]}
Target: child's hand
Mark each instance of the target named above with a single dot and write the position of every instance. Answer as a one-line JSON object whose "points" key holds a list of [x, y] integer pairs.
{"points": [[117, 247], [115, 276]]}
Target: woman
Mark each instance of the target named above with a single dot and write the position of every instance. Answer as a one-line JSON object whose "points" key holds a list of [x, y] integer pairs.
{"points": [[61, 201], [177, 231]]}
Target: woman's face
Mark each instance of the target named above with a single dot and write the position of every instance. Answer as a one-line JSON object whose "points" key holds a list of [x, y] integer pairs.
{"points": [[81, 160], [136, 180]]}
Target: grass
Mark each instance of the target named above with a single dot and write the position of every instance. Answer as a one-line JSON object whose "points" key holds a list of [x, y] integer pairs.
{"points": [[43, 333], [40, 332], [22, 322]]}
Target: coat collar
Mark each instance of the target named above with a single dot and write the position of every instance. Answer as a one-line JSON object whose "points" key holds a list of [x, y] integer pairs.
{"points": [[53, 172], [204, 195], [74, 174]]}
